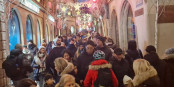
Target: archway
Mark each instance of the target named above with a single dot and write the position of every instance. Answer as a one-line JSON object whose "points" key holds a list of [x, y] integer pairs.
{"points": [[29, 28], [114, 26], [14, 30], [127, 29], [38, 34]]}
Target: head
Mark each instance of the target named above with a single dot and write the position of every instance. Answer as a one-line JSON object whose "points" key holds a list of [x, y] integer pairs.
{"points": [[99, 55], [60, 64], [49, 79], [140, 66], [118, 54], [23, 60], [66, 81], [89, 47], [18, 46], [150, 49], [100, 41], [15, 53], [67, 55], [30, 42], [78, 37], [26, 83], [72, 41], [57, 41], [42, 49], [132, 45]]}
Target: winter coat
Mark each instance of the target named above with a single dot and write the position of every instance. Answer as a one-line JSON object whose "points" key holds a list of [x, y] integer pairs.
{"points": [[93, 73], [83, 62], [36, 65], [55, 53], [33, 49], [68, 70], [46, 85], [161, 68], [106, 50], [170, 74], [121, 68], [146, 79], [72, 48]]}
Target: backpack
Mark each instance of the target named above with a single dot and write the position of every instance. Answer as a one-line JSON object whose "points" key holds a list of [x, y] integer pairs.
{"points": [[10, 67], [104, 78]]}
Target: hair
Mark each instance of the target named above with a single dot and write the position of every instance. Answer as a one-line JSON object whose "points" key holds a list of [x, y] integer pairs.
{"points": [[26, 83], [132, 45], [31, 41], [64, 79], [18, 46], [60, 63], [68, 52], [153, 58], [47, 77], [140, 66], [150, 49]]}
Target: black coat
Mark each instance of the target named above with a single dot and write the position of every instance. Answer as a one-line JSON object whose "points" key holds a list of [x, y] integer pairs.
{"points": [[121, 68], [72, 49], [55, 53], [83, 62], [107, 51]]}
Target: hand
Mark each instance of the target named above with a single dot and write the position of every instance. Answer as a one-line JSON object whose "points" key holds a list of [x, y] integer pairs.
{"points": [[126, 79]]}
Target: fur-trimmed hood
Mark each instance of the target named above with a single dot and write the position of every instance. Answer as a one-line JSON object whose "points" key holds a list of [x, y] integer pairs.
{"points": [[68, 69], [139, 79], [99, 64]]}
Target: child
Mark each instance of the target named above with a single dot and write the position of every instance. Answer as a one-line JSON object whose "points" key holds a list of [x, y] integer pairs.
{"points": [[49, 81]]}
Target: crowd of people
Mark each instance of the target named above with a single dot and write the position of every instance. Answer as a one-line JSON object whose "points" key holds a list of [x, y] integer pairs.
{"points": [[88, 59]]}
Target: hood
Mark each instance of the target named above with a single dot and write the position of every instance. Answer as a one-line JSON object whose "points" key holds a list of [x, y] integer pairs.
{"points": [[58, 85], [99, 64], [68, 69], [139, 79]]}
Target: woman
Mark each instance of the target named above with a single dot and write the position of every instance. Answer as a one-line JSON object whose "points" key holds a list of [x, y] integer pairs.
{"points": [[67, 81], [145, 75], [62, 67], [39, 65], [67, 55]]}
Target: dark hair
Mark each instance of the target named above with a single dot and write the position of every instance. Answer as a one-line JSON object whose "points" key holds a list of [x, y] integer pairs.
{"points": [[132, 45], [90, 42], [47, 77], [18, 46], [31, 41], [68, 52], [153, 58], [150, 49], [26, 83]]}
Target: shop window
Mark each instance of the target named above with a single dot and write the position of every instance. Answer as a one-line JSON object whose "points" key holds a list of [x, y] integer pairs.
{"points": [[38, 35], [29, 32], [14, 30]]}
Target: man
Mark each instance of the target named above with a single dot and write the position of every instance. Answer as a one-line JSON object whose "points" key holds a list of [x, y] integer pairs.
{"points": [[120, 66], [72, 47], [32, 47], [54, 53], [84, 60], [101, 46]]}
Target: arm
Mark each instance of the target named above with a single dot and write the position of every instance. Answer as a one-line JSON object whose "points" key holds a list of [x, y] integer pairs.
{"points": [[88, 79], [114, 79]]}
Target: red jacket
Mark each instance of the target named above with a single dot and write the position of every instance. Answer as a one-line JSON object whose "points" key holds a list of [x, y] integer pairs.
{"points": [[93, 73]]}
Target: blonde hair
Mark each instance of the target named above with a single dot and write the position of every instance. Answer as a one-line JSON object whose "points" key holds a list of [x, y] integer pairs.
{"points": [[64, 79], [60, 63], [141, 65]]}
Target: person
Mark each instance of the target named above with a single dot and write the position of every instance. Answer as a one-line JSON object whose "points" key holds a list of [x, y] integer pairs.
{"points": [[44, 43], [145, 75], [49, 47], [84, 60], [32, 47], [49, 80], [78, 52], [67, 55], [26, 83], [11, 67], [160, 65], [67, 81], [169, 59], [133, 53], [94, 78], [102, 46], [39, 65], [19, 46], [62, 67], [71, 47], [120, 66], [55, 53]]}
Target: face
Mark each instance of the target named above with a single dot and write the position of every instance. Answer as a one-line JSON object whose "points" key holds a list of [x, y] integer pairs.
{"points": [[59, 41], [66, 56], [99, 42], [56, 68], [118, 57], [50, 81], [70, 84], [42, 50], [81, 47], [89, 49]]}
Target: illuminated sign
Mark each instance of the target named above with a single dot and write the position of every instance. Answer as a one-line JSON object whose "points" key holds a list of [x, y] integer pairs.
{"points": [[31, 5], [51, 18]]}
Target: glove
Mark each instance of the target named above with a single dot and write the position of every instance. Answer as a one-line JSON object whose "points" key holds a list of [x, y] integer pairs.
{"points": [[126, 79]]}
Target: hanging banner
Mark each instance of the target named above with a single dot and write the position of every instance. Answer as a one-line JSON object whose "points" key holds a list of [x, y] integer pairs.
{"points": [[31, 5]]}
